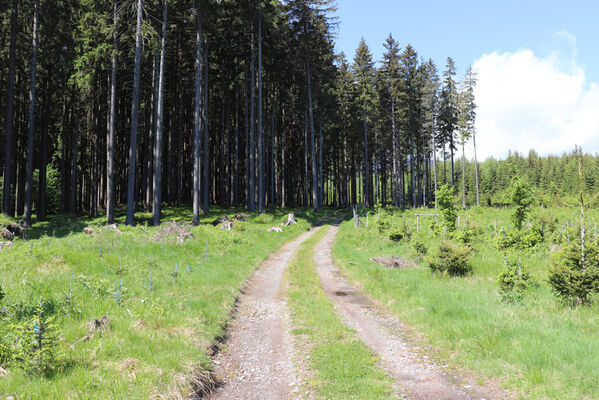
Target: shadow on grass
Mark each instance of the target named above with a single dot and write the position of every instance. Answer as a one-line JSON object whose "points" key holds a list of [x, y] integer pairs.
{"points": [[62, 225]]}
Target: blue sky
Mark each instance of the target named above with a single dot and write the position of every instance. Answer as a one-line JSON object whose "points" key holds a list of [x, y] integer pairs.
{"points": [[544, 54], [465, 30]]}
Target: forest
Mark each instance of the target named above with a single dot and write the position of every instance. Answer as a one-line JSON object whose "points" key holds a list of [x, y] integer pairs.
{"points": [[135, 104]]}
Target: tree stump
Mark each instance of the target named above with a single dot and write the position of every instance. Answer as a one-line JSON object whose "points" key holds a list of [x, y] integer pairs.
{"points": [[226, 226], [291, 219]]}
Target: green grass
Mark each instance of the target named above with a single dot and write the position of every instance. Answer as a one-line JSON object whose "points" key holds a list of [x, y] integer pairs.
{"points": [[539, 348], [158, 338], [342, 367]]}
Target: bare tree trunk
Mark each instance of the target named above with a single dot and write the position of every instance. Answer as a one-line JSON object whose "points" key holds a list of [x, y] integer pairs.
{"points": [[394, 180], [31, 131], [152, 135], [315, 202], [197, 123], [475, 168], [366, 163], [320, 165], [7, 207], [463, 178], [306, 180], [157, 189], [261, 191], [206, 142], [435, 168], [252, 150], [452, 163], [110, 199], [236, 177], [42, 195], [129, 220], [74, 153]]}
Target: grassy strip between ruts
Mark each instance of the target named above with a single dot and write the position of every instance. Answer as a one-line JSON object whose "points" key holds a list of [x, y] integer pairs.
{"points": [[539, 347], [167, 302], [341, 366]]}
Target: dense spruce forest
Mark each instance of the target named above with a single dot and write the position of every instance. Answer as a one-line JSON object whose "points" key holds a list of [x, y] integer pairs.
{"points": [[140, 103]]}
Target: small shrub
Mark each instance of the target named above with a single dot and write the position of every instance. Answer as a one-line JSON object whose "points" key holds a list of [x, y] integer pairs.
{"points": [[382, 224], [36, 344], [464, 236], [520, 195], [396, 235], [419, 248], [518, 239], [436, 228], [514, 282], [573, 284], [2, 294], [451, 259], [445, 202]]}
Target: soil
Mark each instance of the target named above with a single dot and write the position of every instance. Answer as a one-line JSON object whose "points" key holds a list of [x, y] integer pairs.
{"points": [[258, 360], [416, 376]]}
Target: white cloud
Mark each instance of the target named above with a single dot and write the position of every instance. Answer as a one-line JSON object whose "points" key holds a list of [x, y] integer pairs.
{"points": [[527, 102]]}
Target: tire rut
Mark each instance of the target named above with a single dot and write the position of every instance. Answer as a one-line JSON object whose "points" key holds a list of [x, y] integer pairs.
{"points": [[257, 362], [416, 377]]}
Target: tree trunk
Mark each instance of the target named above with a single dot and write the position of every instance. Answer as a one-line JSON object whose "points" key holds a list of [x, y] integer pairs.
{"points": [[42, 195], [394, 180], [197, 122], [315, 202], [236, 178], [74, 153], [31, 131], [306, 180], [206, 143], [475, 168], [261, 191], [366, 163], [252, 150], [452, 163], [110, 197], [320, 166], [157, 189], [435, 168], [129, 220], [7, 205], [463, 178]]}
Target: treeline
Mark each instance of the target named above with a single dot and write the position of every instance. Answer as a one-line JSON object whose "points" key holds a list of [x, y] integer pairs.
{"points": [[553, 178], [142, 103]]}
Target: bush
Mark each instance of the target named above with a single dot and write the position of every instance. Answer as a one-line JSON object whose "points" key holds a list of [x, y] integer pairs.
{"points": [[396, 235], [36, 345], [2, 294], [520, 195], [518, 239], [514, 282], [573, 284], [419, 248], [445, 202], [451, 259], [464, 236], [382, 224]]}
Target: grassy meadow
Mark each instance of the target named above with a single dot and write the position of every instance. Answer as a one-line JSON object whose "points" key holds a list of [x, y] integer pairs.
{"points": [[538, 348], [167, 303]]}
